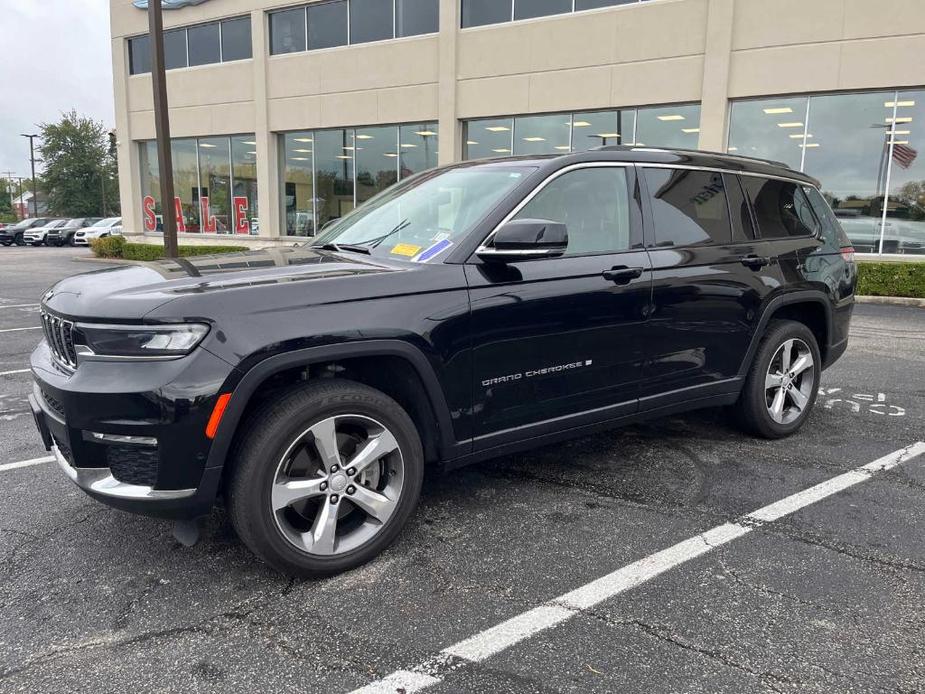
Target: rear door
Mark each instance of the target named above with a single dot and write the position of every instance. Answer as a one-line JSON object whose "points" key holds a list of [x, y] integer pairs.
{"points": [[557, 341], [710, 276]]}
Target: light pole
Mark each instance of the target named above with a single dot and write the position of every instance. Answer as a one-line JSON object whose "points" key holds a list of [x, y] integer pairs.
{"points": [[162, 127], [35, 197]]}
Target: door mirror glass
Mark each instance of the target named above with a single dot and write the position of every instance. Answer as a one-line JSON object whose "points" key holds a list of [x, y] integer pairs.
{"points": [[526, 239]]}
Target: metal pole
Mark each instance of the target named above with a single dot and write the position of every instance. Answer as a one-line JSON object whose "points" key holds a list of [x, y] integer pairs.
{"points": [[162, 127], [35, 196]]}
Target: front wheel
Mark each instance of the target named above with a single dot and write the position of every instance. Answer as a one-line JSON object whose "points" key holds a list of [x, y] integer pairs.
{"points": [[781, 385], [325, 477]]}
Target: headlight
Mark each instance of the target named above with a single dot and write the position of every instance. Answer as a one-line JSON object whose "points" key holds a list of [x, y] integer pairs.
{"points": [[138, 341]]}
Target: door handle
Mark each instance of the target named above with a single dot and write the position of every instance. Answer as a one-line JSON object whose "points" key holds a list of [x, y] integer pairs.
{"points": [[622, 274], [754, 261]]}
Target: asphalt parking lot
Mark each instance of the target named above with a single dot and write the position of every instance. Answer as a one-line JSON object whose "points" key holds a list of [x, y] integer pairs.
{"points": [[828, 598]]}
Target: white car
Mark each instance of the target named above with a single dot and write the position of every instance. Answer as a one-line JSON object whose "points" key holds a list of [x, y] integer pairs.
{"points": [[111, 226], [36, 235]]}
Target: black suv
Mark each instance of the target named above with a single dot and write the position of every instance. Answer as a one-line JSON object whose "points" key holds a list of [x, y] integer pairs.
{"points": [[64, 235], [14, 233], [466, 312]]}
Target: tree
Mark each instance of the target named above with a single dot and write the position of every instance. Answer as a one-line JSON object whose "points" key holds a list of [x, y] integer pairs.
{"points": [[80, 167], [7, 191]]}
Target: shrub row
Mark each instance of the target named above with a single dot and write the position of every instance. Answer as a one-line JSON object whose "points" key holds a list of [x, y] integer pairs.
{"points": [[891, 279], [117, 247]]}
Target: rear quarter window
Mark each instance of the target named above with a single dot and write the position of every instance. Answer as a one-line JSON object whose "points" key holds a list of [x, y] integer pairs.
{"points": [[830, 229], [781, 208]]}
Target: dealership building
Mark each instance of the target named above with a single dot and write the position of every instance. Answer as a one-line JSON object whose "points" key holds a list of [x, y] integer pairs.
{"points": [[286, 115]]}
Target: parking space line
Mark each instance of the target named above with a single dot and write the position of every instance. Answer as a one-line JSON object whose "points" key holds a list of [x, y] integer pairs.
{"points": [[26, 463], [2, 306], [15, 371], [16, 330], [492, 641]]}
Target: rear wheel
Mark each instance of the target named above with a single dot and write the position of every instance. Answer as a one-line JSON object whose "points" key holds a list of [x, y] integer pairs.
{"points": [[20, 241], [781, 385], [325, 478]]}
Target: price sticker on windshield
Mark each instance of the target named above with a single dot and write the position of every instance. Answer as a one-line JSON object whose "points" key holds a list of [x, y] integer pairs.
{"points": [[434, 251], [407, 249]]}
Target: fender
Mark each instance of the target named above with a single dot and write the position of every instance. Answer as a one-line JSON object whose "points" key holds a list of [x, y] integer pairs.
{"points": [[798, 297], [241, 395]]}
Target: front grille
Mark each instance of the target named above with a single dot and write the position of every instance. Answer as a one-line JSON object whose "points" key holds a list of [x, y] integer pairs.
{"points": [[60, 336], [133, 464], [53, 403]]}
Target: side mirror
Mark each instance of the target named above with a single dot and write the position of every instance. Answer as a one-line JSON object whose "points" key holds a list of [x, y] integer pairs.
{"points": [[526, 239]]}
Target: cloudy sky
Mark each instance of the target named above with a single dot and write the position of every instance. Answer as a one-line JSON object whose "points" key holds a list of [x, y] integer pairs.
{"points": [[55, 57]]}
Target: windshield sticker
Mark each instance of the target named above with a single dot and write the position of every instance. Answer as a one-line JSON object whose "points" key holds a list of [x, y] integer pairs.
{"points": [[434, 250], [407, 249]]}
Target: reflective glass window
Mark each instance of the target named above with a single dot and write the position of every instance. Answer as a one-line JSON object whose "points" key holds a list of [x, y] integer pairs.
{"points": [[204, 44], [327, 24], [244, 177], [185, 158], [175, 49], [594, 206], [287, 31], [905, 229], [333, 152], [526, 9], [542, 134], [215, 184], [417, 148], [599, 128], [594, 4], [413, 17], [489, 138], [688, 207], [151, 179], [480, 12], [853, 177], [376, 160], [298, 183], [371, 20], [236, 39], [139, 54], [668, 126], [769, 129]]}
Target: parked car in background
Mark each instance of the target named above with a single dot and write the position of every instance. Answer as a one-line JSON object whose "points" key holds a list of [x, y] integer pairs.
{"points": [[37, 235], [111, 226], [65, 234], [14, 233]]}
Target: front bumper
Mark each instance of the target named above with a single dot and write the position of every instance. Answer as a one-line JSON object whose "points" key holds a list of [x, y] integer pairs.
{"points": [[132, 435]]}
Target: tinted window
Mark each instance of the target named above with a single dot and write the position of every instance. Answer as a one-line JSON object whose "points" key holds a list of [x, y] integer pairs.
{"points": [[478, 12], [370, 20], [592, 4], [236, 39], [525, 9], [780, 207], [139, 50], [688, 207], [287, 31], [830, 229], [175, 48], [594, 206], [742, 228], [415, 17], [204, 45], [327, 24]]}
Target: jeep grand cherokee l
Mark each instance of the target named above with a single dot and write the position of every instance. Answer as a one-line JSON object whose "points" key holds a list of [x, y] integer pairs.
{"points": [[466, 312]]}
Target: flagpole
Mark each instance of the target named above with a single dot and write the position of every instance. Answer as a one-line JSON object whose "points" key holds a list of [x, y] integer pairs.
{"points": [[889, 171]]}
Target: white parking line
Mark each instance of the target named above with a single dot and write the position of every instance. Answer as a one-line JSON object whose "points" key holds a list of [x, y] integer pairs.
{"points": [[502, 636], [16, 330], [15, 371], [26, 463], [18, 305]]}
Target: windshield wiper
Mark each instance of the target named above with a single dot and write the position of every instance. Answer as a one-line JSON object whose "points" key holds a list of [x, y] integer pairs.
{"points": [[356, 248]]}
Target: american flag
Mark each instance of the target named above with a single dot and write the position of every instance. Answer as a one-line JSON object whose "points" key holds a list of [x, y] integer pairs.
{"points": [[904, 155]]}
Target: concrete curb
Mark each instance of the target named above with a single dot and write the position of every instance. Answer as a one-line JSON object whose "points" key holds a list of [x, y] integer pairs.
{"points": [[891, 301]]}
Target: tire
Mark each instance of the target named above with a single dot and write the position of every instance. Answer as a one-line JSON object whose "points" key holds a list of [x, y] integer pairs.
{"points": [[766, 406], [20, 241], [281, 446]]}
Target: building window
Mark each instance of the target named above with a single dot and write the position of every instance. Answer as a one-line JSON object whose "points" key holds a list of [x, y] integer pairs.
{"points": [[327, 24], [864, 149], [371, 20], [287, 31], [415, 17], [326, 173], [215, 185], [481, 12], [202, 44], [666, 126]]}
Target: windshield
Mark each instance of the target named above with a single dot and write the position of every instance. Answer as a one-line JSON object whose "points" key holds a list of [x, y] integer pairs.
{"points": [[108, 222], [422, 217]]}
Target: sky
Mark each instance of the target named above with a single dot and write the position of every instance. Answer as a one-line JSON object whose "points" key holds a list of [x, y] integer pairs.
{"points": [[55, 56]]}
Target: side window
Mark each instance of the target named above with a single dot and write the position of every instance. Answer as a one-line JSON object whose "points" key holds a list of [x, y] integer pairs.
{"points": [[830, 230], [781, 209], [688, 207], [592, 203]]}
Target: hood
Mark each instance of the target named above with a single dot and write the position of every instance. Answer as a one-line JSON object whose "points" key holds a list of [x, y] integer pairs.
{"points": [[133, 291]]}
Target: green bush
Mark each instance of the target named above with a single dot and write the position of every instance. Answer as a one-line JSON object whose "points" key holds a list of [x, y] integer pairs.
{"points": [[108, 246], [117, 247], [891, 279]]}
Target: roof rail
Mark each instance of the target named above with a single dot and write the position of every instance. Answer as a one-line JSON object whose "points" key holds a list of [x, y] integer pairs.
{"points": [[630, 148]]}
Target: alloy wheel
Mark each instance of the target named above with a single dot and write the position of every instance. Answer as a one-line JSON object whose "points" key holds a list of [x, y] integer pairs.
{"points": [[789, 381], [337, 485]]}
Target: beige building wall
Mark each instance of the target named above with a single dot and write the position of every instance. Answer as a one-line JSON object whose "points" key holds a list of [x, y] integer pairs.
{"points": [[650, 53]]}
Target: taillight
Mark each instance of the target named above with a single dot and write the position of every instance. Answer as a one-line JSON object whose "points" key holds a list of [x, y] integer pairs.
{"points": [[848, 254]]}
